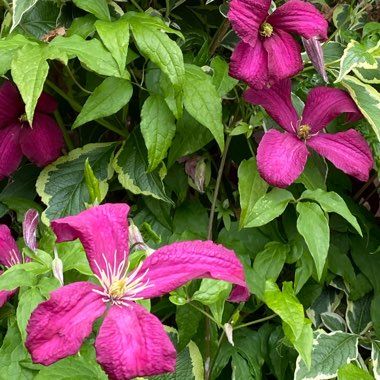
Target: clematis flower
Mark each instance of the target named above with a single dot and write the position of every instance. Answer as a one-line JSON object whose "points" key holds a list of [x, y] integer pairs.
{"points": [[9, 255], [267, 52], [281, 157], [41, 143], [131, 342]]}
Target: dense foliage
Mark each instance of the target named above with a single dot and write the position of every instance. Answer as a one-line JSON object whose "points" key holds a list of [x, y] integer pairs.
{"points": [[251, 123]]}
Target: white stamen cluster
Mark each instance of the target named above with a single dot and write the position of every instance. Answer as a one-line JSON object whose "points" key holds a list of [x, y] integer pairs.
{"points": [[120, 287]]}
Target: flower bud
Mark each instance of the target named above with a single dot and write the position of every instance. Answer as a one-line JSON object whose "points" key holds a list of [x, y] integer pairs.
{"points": [[228, 329], [29, 227], [314, 51], [57, 268]]}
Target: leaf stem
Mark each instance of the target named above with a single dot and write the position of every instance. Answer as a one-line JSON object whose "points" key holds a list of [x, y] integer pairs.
{"points": [[137, 6], [75, 81], [255, 322], [217, 187], [209, 316], [61, 125], [218, 37]]}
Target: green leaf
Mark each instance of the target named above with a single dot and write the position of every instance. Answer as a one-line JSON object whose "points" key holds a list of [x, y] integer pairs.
{"points": [[131, 165], [333, 321], [286, 305], [352, 372], [313, 225], [367, 99], [212, 291], [9, 48], [108, 98], [73, 257], [28, 301], [20, 7], [158, 129], [91, 53], [98, 8], [358, 314], [187, 319], [115, 37], [315, 173], [157, 46], [269, 207], [15, 277], [355, 55], [82, 26], [332, 202], [251, 188], [62, 185], [93, 184], [221, 80], [330, 352], [240, 368], [29, 71], [375, 356], [203, 103]]}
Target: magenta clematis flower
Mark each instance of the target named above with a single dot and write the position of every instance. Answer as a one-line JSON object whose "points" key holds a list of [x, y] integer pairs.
{"points": [[267, 52], [281, 157], [41, 143], [9, 255], [131, 342]]}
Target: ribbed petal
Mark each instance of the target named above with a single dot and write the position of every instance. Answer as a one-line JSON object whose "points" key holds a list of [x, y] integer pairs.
{"points": [[281, 158], [103, 231], [300, 17], [132, 342], [11, 104], [58, 326], [246, 17], [284, 56], [9, 252], [324, 104], [43, 143], [29, 228], [276, 100], [175, 264], [46, 103], [348, 151], [250, 64], [10, 150]]}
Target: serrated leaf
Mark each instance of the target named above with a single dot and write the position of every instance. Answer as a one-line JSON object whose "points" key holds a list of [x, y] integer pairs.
{"points": [[28, 301], [98, 8], [203, 103], [313, 225], [91, 53], [269, 207], [358, 314], [29, 71], [221, 79], [330, 352], [115, 37], [158, 129], [187, 319], [108, 98], [20, 7], [131, 165], [332, 202], [62, 185], [355, 55], [251, 188], [352, 372], [286, 305], [367, 99]]}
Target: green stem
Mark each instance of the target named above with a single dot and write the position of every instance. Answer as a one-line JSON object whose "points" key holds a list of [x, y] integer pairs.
{"points": [[217, 187], [256, 321], [76, 82], [167, 10], [218, 37], [137, 6], [66, 136], [77, 107], [209, 316]]}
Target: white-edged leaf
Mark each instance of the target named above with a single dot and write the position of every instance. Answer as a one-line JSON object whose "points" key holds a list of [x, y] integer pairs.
{"points": [[358, 314], [20, 7], [333, 321]]}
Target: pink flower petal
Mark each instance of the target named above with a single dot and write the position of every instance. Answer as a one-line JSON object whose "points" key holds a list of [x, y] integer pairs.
{"points": [[250, 64], [29, 228], [46, 103], [301, 17], [10, 150], [284, 56], [58, 326], [9, 252], [281, 158], [276, 100], [5, 295], [103, 231], [246, 17], [11, 104], [175, 264], [323, 104], [132, 342], [348, 151], [43, 143]]}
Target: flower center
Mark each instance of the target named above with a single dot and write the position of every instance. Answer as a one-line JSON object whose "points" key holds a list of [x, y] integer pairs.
{"points": [[266, 29], [119, 286], [303, 131]]}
